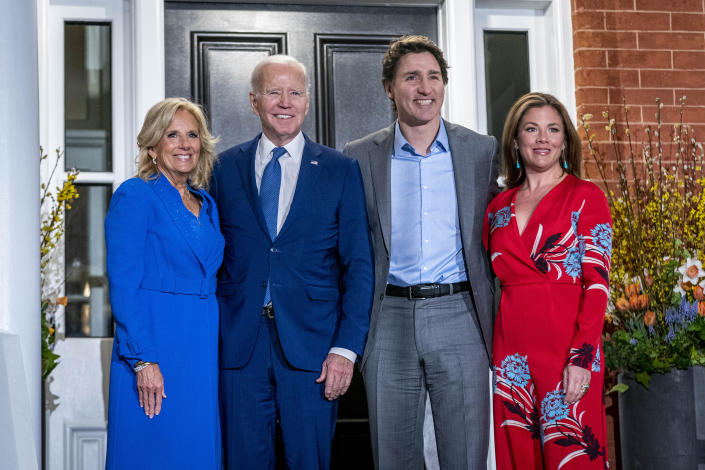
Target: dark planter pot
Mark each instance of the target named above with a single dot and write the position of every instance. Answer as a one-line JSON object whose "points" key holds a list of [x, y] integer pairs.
{"points": [[663, 428]]}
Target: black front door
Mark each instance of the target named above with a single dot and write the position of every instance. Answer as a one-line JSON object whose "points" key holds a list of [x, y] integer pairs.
{"points": [[210, 51]]}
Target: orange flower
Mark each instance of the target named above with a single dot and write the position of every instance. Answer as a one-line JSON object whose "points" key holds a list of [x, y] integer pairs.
{"points": [[686, 286], [698, 293], [62, 300], [632, 289], [649, 318], [642, 300], [622, 304], [701, 309], [608, 317], [634, 302]]}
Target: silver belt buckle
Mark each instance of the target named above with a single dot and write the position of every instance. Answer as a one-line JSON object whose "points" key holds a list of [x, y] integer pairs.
{"points": [[268, 311]]}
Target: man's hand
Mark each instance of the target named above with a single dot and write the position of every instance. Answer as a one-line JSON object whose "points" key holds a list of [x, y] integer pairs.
{"points": [[337, 372], [150, 389]]}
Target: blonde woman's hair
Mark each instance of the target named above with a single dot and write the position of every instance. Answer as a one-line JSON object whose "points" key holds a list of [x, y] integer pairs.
{"points": [[155, 125]]}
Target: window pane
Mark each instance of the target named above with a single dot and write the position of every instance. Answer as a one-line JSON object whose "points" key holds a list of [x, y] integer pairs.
{"points": [[87, 93], [88, 309], [506, 75]]}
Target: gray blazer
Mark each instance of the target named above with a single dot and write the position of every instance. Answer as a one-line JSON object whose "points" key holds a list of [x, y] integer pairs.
{"points": [[475, 166]]}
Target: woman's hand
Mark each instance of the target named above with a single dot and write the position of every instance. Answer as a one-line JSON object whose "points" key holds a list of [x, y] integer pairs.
{"points": [[574, 380], [150, 389]]}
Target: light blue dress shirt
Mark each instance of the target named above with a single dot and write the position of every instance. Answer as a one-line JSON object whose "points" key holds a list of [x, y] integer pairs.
{"points": [[426, 243]]}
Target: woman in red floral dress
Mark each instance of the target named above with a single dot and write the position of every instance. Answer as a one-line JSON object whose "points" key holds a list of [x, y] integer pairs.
{"points": [[549, 237]]}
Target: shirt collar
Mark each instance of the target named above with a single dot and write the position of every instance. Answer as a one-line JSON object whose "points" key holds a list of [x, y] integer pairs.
{"points": [[294, 149], [403, 147]]}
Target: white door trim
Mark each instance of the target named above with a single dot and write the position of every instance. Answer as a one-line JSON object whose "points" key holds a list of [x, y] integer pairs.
{"points": [[458, 36]]}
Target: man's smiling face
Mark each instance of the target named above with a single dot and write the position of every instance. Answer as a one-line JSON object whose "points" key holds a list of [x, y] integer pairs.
{"points": [[281, 102], [417, 89]]}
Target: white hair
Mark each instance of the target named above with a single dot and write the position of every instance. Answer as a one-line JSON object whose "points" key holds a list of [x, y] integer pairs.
{"points": [[256, 77]]}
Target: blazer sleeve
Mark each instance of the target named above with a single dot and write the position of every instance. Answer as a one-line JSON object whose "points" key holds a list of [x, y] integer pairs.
{"points": [[355, 254], [594, 227], [125, 237]]}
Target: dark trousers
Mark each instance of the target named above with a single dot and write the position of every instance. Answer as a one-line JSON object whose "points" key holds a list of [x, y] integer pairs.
{"points": [[267, 389]]}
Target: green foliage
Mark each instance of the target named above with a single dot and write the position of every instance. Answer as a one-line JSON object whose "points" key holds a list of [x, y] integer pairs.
{"points": [[54, 205], [621, 388], [656, 192]]}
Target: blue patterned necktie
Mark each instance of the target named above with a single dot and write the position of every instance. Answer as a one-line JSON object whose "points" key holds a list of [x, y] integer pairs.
{"points": [[269, 198]]}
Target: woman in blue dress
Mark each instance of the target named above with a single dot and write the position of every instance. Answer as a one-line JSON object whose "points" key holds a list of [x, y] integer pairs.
{"points": [[164, 248]]}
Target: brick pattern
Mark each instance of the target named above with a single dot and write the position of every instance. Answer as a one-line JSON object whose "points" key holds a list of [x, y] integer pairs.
{"points": [[634, 51], [637, 51]]}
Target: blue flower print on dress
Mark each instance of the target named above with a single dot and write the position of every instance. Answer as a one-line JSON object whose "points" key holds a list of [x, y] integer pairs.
{"points": [[515, 370], [574, 259], [553, 408], [500, 218], [574, 216], [596, 360], [602, 238]]}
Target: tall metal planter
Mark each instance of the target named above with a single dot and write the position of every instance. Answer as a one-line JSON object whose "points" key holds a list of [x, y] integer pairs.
{"points": [[663, 428]]}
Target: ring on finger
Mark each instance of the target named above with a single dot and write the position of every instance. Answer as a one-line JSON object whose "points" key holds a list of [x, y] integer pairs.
{"points": [[584, 388]]}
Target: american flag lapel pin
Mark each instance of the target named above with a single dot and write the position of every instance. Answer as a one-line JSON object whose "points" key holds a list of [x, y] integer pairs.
{"points": [[314, 162]]}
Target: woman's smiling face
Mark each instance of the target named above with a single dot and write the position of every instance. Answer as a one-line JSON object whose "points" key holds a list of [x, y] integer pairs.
{"points": [[540, 138]]}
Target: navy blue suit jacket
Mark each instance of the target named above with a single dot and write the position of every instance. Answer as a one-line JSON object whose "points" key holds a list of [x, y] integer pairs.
{"points": [[319, 265]]}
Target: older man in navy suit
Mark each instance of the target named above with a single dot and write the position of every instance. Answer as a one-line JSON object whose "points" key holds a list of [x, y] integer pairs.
{"points": [[295, 288]]}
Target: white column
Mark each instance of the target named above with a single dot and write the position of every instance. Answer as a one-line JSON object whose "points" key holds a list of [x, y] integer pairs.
{"points": [[19, 196], [148, 69], [456, 20]]}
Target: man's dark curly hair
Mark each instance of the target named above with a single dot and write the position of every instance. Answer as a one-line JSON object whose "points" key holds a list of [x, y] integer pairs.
{"points": [[408, 45]]}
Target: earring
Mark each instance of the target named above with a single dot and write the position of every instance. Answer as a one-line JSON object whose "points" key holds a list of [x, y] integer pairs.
{"points": [[154, 160], [516, 154], [565, 160]]}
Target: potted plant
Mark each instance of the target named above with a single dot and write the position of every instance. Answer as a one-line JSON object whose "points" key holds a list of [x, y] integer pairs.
{"points": [[54, 203], [655, 325]]}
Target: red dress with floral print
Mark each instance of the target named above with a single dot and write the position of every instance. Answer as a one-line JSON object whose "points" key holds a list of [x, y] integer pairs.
{"points": [[555, 284]]}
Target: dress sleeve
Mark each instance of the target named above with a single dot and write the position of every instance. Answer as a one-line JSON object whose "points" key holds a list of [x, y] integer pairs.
{"points": [[125, 239], [594, 240]]}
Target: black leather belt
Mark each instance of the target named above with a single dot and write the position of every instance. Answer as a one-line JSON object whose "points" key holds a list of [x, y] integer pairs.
{"points": [[426, 291], [268, 311]]}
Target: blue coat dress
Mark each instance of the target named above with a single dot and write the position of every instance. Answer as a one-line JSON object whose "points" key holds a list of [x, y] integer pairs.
{"points": [[162, 262]]}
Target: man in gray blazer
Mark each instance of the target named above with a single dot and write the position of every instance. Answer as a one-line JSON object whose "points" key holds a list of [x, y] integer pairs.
{"points": [[427, 184]]}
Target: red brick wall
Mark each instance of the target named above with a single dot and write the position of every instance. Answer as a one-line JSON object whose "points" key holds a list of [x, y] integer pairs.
{"points": [[639, 50]]}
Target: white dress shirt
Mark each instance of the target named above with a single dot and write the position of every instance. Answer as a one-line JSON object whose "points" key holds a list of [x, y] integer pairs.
{"points": [[290, 163]]}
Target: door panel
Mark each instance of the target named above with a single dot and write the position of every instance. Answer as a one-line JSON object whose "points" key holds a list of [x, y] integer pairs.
{"points": [[342, 48], [221, 64], [210, 51], [351, 99]]}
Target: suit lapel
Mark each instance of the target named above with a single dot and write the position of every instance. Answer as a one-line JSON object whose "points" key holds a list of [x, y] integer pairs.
{"points": [[306, 181], [218, 246], [179, 214], [462, 155], [381, 169], [246, 166]]}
